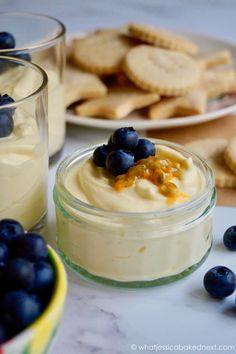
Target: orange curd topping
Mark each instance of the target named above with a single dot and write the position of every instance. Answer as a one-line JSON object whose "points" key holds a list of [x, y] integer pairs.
{"points": [[158, 171]]}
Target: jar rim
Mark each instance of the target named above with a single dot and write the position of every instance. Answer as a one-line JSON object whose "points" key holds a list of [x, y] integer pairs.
{"points": [[80, 205], [33, 94], [41, 45]]}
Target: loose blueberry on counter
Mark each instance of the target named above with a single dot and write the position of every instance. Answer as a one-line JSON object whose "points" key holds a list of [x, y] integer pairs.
{"points": [[144, 149], [20, 274], [220, 282], [31, 246], [44, 276], [7, 40], [118, 162], [3, 334], [10, 230], [100, 155], [6, 124], [19, 309], [125, 138], [229, 238], [4, 253]]}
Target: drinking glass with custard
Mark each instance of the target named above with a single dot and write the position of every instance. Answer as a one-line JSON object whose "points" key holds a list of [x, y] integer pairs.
{"points": [[23, 143]]}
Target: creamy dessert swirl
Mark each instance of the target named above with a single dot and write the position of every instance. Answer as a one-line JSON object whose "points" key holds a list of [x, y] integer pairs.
{"points": [[95, 186]]}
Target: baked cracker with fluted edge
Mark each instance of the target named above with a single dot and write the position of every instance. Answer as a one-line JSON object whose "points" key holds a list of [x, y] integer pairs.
{"points": [[218, 82], [213, 150], [170, 73], [119, 102], [101, 53], [80, 84], [163, 38], [193, 103], [211, 60]]}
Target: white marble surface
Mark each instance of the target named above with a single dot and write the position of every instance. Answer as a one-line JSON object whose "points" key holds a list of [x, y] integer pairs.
{"points": [[103, 320]]}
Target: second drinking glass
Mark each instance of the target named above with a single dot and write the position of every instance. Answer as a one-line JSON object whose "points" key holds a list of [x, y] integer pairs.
{"points": [[41, 39]]}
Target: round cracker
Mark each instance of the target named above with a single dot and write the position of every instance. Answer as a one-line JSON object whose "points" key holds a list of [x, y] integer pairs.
{"points": [[230, 154], [170, 73], [162, 38], [212, 150], [102, 52]]}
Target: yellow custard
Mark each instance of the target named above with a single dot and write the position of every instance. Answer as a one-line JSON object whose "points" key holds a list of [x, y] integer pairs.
{"points": [[153, 184]]}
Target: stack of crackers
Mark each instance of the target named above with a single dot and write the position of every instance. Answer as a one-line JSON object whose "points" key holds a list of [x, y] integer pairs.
{"points": [[113, 72]]}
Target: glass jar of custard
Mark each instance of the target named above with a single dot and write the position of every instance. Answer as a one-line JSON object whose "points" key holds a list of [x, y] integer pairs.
{"points": [[139, 234]]}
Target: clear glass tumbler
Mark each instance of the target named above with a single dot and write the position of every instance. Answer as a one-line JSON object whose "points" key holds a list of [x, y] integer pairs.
{"points": [[41, 39], [23, 142]]}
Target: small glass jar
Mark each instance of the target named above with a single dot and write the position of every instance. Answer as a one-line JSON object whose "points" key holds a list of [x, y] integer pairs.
{"points": [[41, 39], [23, 143], [133, 249]]}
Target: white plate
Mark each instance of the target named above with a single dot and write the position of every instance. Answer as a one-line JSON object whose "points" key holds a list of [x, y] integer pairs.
{"points": [[206, 44]]}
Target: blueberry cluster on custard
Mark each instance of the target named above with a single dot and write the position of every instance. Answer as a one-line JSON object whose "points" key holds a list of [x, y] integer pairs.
{"points": [[6, 116], [123, 150], [26, 276]]}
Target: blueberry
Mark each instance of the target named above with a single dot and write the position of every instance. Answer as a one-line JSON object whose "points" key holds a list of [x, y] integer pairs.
{"points": [[229, 238], [6, 99], [125, 138], [20, 274], [44, 276], [110, 146], [110, 141], [38, 298], [10, 230], [23, 56], [3, 333], [31, 246], [220, 282], [3, 65], [3, 285], [144, 149], [100, 155], [19, 309], [4, 253], [7, 40], [118, 162], [6, 124]]}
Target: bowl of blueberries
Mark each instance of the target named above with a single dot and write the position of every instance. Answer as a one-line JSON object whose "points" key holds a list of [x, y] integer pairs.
{"points": [[33, 288]]}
